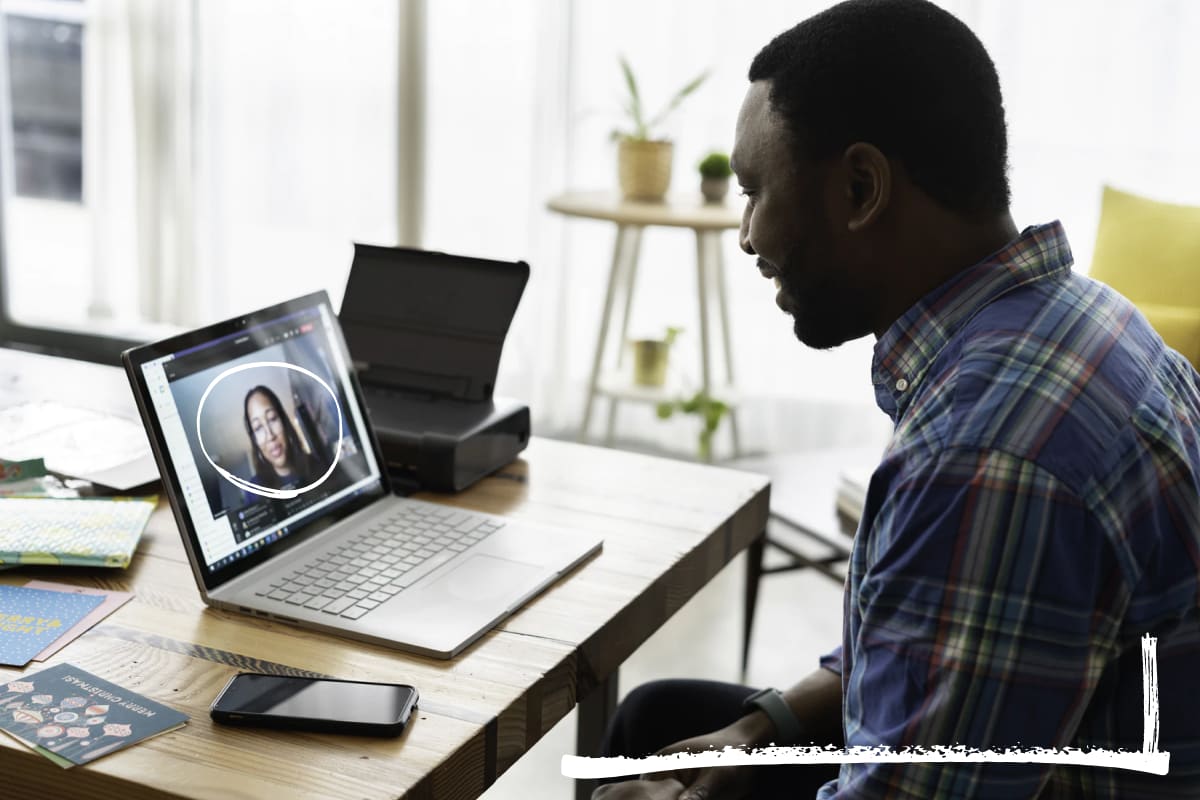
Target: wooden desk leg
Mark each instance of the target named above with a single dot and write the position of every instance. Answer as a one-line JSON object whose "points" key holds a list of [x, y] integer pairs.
{"points": [[630, 272], [718, 267], [702, 272], [595, 712], [754, 570], [614, 276]]}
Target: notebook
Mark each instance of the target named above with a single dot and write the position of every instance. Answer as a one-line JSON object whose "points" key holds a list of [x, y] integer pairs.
{"points": [[85, 532], [276, 480]]}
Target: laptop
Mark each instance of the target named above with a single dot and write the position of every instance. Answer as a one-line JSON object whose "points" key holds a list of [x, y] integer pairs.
{"points": [[279, 488]]}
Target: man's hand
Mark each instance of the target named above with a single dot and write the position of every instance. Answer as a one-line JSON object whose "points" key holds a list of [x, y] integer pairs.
{"points": [[667, 789], [717, 783]]}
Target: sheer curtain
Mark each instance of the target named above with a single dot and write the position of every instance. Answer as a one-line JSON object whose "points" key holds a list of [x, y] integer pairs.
{"points": [[138, 160], [523, 96], [234, 151]]}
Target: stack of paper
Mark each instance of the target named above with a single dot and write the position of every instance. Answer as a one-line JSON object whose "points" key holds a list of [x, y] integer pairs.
{"points": [[852, 496], [38, 619], [72, 717]]}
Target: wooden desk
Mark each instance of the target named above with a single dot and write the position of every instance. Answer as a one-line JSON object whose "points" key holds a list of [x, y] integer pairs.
{"points": [[668, 527], [708, 221]]}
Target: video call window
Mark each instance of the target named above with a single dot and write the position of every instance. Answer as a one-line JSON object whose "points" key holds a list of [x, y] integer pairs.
{"points": [[266, 420]]}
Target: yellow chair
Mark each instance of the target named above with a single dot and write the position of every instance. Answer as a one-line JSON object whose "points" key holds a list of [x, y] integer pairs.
{"points": [[1150, 252]]}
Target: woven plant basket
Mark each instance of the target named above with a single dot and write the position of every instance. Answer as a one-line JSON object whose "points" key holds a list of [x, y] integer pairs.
{"points": [[644, 168]]}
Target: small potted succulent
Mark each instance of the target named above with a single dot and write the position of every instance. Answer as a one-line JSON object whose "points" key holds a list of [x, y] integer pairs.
{"points": [[714, 177], [643, 157]]}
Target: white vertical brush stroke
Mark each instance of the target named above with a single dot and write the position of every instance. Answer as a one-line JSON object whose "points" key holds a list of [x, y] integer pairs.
{"points": [[1149, 760]]}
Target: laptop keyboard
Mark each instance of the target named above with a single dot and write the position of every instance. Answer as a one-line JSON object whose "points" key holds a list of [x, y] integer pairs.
{"points": [[386, 558]]}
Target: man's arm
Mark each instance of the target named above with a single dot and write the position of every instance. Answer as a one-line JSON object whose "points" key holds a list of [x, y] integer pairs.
{"points": [[986, 616]]}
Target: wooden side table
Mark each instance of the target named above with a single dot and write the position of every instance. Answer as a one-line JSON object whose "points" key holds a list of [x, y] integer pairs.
{"points": [[708, 221]]}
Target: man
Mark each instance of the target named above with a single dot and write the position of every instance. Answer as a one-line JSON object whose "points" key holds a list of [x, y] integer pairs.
{"points": [[1038, 508]]}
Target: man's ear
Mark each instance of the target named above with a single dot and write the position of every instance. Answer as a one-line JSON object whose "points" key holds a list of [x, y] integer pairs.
{"points": [[868, 184]]}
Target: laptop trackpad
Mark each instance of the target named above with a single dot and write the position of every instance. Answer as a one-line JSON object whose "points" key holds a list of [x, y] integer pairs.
{"points": [[486, 580]]}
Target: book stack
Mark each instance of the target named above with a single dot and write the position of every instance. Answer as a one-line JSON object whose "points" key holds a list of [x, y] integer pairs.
{"points": [[852, 497]]}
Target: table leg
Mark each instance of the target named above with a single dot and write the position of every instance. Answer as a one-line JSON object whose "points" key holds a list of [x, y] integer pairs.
{"points": [[702, 289], [614, 274], [718, 264], [595, 712], [630, 272], [754, 572]]}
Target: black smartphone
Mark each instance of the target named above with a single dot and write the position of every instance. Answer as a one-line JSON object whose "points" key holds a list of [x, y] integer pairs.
{"points": [[315, 704]]}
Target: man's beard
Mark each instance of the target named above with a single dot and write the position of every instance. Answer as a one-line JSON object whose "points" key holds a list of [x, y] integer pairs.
{"points": [[823, 313]]}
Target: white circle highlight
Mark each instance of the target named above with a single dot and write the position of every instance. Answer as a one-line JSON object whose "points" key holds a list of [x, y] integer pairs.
{"points": [[250, 486]]}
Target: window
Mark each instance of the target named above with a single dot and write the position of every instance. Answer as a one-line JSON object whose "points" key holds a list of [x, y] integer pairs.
{"points": [[46, 74]]}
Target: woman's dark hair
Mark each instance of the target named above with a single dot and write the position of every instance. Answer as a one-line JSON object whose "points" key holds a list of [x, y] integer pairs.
{"points": [[304, 466], [905, 76]]}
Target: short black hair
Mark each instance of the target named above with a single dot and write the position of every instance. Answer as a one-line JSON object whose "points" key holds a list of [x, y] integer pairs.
{"points": [[905, 76]]}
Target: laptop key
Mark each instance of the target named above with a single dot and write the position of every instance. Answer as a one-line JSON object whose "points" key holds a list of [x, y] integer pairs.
{"points": [[299, 598], [317, 603], [379, 596], [279, 594], [416, 573], [355, 612], [357, 594], [469, 524], [339, 605]]}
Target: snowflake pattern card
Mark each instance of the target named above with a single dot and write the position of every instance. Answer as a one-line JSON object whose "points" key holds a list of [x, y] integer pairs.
{"points": [[32, 619], [73, 717]]}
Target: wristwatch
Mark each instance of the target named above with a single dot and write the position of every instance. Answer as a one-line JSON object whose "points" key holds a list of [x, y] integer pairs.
{"points": [[771, 703]]}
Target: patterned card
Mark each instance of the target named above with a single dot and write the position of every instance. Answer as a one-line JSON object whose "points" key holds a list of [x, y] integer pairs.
{"points": [[110, 602], [32, 619], [92, 532], [72, 717]]}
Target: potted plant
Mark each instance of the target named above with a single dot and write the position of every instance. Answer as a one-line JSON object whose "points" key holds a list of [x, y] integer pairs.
{"points": [[710, 410], [650, 357], [643, 158], [714, 177]]}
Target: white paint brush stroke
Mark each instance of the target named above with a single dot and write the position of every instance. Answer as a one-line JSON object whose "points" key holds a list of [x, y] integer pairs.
{"points": [[1149, 760]]}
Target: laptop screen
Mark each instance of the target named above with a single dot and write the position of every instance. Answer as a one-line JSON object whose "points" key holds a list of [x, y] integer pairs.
{"points": [[263, 430]]}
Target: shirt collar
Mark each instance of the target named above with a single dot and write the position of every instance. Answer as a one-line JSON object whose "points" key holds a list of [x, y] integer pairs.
{"points": [[907, 349]]}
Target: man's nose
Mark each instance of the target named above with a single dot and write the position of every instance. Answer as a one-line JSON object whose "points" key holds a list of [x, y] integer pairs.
{"points": [[744, 236]]}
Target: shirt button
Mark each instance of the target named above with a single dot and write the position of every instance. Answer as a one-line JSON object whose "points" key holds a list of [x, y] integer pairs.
{"points": [[901, 385]]}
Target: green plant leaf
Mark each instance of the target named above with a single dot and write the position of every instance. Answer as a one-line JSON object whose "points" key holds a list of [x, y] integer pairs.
{"points": [[664, 409], [634, 109], [679, 97]]}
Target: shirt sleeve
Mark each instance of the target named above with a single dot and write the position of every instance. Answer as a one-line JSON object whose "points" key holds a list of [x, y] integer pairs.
{"points": [[987, 611]]}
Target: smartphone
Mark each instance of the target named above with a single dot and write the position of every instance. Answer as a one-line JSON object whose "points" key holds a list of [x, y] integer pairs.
{"points": [[315, 704]]}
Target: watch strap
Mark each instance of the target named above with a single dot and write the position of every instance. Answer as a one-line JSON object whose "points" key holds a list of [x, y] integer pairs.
{"points": [[771, 703]]}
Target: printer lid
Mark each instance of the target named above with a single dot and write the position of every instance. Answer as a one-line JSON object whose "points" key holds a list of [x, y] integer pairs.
{"points": [[427, 322]]}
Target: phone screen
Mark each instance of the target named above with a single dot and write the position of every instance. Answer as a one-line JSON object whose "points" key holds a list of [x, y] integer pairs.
{"points": [[317, 699]]}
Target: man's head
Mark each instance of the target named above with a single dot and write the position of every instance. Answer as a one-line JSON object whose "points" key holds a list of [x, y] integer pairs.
{"points": [[867, 129]]}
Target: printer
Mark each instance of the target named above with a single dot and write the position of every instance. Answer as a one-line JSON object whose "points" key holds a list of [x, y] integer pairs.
{"points": [[425, 332]]}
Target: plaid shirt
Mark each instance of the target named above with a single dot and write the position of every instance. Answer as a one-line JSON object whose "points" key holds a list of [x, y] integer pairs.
{"points": [[1036, 512]]}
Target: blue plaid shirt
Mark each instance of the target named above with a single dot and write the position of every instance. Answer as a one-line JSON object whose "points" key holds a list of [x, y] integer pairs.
{"points": [[1036, 512]]}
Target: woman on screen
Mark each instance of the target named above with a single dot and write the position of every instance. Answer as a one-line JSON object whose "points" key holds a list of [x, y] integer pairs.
{"points": [[280, 461]]}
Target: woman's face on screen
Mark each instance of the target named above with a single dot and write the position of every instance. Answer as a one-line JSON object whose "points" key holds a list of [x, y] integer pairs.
{"points": [[267, 427]]}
